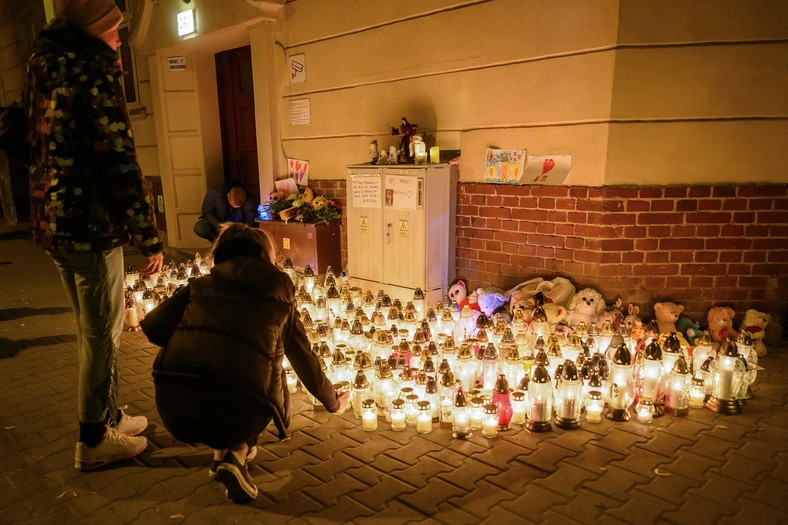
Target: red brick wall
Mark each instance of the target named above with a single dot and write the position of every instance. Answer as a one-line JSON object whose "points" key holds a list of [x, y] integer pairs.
{"points": [[695, 245]]}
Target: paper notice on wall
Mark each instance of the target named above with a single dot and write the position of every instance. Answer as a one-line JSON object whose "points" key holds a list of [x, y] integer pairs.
{"points": [[402, 192], [550, 170], [287, 186], [504, 165], [300, 112], [366, 191]]}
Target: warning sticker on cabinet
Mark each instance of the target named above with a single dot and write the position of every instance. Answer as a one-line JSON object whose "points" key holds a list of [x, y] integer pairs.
{"points": [[364, 225], [403, 228]]}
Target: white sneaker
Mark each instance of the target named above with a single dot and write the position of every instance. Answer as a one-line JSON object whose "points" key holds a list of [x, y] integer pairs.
{"points": [[114, 446], [131, 425]]}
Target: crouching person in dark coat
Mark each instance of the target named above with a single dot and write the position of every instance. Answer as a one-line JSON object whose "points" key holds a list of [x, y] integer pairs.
{"points": [[219, 377]]}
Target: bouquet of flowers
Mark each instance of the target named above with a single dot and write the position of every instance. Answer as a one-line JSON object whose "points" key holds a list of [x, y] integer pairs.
{"points": [[304, 207]]}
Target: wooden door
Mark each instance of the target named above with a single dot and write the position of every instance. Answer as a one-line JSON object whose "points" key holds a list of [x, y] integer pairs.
{"points": [[236, 112]]}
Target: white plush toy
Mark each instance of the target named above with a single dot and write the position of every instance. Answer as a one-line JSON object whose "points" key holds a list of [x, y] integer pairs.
{"points": [[586, 306]]}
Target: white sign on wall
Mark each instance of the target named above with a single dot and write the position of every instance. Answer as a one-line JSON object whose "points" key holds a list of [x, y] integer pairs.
{"points": [[297, 67], [402, 192], [176, 63], [299, 112]]}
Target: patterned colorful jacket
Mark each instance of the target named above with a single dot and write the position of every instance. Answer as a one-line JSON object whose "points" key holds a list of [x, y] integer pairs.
{"points": [[86, 185]]}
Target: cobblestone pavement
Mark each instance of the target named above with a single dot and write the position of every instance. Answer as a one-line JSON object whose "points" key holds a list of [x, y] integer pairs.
{"points": [[702, 468]]}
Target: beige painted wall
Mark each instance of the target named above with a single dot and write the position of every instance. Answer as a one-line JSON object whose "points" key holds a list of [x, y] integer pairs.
{"points": [[637, 92]]}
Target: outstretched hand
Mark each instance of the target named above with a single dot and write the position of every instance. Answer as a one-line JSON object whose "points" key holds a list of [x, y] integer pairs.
{"points": [[153, 264], [344, 402]]}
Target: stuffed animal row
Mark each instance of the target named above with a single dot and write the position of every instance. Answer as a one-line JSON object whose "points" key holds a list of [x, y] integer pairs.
{"points": [[564, 305]]}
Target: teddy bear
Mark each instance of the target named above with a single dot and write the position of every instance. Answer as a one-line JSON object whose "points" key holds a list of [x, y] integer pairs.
{"points": [[755, 323], [666, 315], [458, 291], [721, 324], [586, 306]]}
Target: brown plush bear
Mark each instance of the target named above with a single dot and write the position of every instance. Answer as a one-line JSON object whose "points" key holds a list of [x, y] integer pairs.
{"points": [[721, 323], [755, 323], [666, 315]]}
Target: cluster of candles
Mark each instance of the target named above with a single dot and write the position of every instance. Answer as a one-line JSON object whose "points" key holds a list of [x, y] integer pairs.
{"points": [[416, 366], [144, 293]]}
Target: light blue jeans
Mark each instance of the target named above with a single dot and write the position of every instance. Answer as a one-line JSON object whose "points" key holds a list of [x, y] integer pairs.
{"points": [[94, 285]]}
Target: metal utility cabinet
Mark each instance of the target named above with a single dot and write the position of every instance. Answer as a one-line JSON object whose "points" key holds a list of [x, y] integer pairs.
{"points": [[401, 228]]}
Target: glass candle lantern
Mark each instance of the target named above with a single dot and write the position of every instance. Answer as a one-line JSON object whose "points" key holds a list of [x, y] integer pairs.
{"points": [[385, 390], [424, 417], [649, 376], [513, 365], [477, 413], [539, 326], [568, 398], [360, 392], [309, 279], [419, 302], [620, 384], [594, 406], [461, 417], [398, 415], [288, 268], [447, 392], [432, 394], [449, 352], [540, 400], [501, 398], [644, 410], [605, 335], [746, 347], [466, 366], [573, 348], [518, 407], [697, 393], [671, 351], [489, 368], [369, 415], [490, 421], [292, 381], [411, 409], [727, 372], [555, 357], [704, 348], [678, 388]]}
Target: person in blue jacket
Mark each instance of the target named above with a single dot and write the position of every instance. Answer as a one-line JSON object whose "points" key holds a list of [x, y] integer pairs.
{"points": [[225, 203]]}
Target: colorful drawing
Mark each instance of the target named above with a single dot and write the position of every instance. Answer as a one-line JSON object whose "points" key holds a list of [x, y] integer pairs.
{"points": [[504, 165], [299, 171]]}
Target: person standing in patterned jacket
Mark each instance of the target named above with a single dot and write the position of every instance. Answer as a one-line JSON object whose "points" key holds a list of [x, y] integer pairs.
{"points": [[87, 201]]}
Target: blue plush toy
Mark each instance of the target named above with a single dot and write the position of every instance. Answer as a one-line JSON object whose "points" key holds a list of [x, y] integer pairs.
{"points": [[491, 300]]}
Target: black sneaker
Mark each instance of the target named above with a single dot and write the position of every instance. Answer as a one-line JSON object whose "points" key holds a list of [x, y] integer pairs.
{"points": [[236, 479], [215, 463]]}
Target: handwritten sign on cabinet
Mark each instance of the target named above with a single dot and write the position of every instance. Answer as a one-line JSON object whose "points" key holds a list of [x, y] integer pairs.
{"points": [[366, 191], [402, 192]]}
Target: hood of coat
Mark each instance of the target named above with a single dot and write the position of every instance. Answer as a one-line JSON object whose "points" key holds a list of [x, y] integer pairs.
{"points": [[254, 276], [63, 52]]}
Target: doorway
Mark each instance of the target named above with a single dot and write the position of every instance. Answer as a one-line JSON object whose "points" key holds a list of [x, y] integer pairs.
{"points": [[237, 119]]}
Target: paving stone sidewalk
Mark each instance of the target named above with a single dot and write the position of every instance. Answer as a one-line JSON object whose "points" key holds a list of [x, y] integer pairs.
{"points": [[698, 469]]}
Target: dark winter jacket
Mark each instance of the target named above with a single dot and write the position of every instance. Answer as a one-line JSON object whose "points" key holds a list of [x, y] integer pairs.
{"points": [[216, 208], [86, 185], [226, 334]]}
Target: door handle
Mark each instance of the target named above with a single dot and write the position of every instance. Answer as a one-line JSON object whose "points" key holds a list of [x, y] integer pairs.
{"points": [[389, 237]]}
